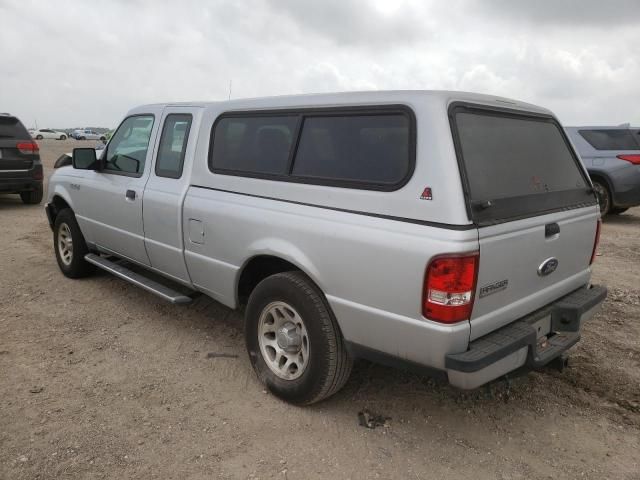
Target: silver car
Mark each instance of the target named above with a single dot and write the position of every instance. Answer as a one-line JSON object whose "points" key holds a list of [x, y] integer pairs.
{"points": [[447, 232], [612, 158], [88, 134]]}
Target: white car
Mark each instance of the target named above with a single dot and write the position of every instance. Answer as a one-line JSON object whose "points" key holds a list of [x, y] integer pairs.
{"points": [[88, 134], [47, 133]]}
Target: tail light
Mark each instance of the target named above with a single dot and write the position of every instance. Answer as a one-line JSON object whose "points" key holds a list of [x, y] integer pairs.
{"points": [[449, 287], [635, 159], [37, 173], [28, 147], [596, 242]]}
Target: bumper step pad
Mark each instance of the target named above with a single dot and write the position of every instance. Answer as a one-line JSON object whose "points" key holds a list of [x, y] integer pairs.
{"points": [[566, 314]]}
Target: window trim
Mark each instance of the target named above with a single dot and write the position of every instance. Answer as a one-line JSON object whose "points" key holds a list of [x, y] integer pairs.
{"points": [[490, 110], [302, 113], [184, 152], [106, 148]]}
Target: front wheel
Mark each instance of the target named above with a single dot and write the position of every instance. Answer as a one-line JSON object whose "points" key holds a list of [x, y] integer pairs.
{"points": [[293, 340], [69, 245], [39, 137], [63, 137], [604, 197]]}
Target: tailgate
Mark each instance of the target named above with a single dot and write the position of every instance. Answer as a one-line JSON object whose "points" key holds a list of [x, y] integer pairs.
{"points": [[12, 132], [534, 207], [526, 264]]}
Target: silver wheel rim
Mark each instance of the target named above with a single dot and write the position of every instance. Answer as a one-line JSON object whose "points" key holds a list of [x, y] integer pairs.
{"points": [[283, 339], [65, 244]]}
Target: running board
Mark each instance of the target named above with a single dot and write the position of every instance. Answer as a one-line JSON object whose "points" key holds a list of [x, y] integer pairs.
{"points": [[137, 279]]}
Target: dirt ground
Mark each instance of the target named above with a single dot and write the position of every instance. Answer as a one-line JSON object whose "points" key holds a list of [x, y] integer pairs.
{"points": [[99, 379]]}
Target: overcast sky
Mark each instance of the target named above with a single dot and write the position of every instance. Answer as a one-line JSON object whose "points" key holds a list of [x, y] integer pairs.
{"points": [[79, 63]]}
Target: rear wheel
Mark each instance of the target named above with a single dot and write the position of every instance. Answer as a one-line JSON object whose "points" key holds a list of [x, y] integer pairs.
{"points": [[294, 342], [32, 197], [69, 245], [617, 211], [604, 196]]}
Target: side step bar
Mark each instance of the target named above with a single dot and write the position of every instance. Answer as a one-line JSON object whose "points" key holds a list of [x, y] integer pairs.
{"points": [[139, 280]]}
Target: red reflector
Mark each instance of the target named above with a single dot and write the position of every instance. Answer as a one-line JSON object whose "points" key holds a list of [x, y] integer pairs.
{"points": [[596, 242], [28, 147], [635, 159], [449, 287]]}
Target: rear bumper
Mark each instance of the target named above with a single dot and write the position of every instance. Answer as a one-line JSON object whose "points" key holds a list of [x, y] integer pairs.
{"points": [[627, 198], [20, 181], [531, 342]]}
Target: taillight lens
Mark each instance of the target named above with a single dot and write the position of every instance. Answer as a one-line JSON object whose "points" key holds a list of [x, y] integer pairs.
{"points": [[28, 147], [635, 159], [596, 242], [449, 287]]}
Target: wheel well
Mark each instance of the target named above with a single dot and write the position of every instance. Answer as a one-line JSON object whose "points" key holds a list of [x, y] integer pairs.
{"points": [[600, 178], [256, 270], [59, 203]]}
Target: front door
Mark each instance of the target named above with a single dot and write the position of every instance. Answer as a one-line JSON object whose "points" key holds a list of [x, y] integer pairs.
{"points": [[113, 200]]}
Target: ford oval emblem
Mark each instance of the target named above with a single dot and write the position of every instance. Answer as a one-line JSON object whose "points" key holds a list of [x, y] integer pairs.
{"points": [[548, 266]]}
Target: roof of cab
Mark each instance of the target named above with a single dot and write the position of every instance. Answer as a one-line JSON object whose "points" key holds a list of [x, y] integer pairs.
{"points": [[362, 97]]}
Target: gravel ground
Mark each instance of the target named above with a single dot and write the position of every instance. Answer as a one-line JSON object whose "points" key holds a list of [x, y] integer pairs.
{"points": [[99, 379]]}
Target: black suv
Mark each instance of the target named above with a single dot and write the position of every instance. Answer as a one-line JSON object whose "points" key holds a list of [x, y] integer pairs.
{"points": [[20, 165]]}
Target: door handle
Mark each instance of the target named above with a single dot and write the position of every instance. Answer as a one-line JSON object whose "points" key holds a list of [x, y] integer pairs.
{"points": [[131, 194], [551, 229]]}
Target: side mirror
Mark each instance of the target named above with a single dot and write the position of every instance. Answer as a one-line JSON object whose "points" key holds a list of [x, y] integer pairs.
{"points": [[85, 159]]}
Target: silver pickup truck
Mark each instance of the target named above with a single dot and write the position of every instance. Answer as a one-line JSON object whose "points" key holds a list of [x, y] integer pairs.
{"points": [[447, 232]]}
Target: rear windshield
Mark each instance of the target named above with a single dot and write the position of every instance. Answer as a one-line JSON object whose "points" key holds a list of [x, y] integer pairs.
{"points": [[610, 139], [516, 165], [10, 127]]}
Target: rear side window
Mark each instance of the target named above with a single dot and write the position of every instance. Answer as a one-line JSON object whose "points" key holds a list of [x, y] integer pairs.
{"points": [[618, 139], [173, 144], [11, 127], [516, 165], [368, 148], [254, 145], [364, 148]]}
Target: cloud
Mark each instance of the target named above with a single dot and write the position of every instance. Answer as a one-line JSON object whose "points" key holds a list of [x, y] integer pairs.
{"points": [[74, 64], [605, 15]]}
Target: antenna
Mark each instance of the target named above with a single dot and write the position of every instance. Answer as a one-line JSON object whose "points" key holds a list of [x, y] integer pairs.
{"points": [[230, 83]]}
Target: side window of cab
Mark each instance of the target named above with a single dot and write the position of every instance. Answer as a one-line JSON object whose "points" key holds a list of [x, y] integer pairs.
{"points": [[127, 151]]}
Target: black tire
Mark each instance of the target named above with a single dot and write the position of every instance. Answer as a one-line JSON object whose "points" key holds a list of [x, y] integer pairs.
{"points": [[103, 139], [32, 197], [617, 211], [75, 266], [63, 137], [604, 196], [82, 138], [329, 364], [38, 137]]}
